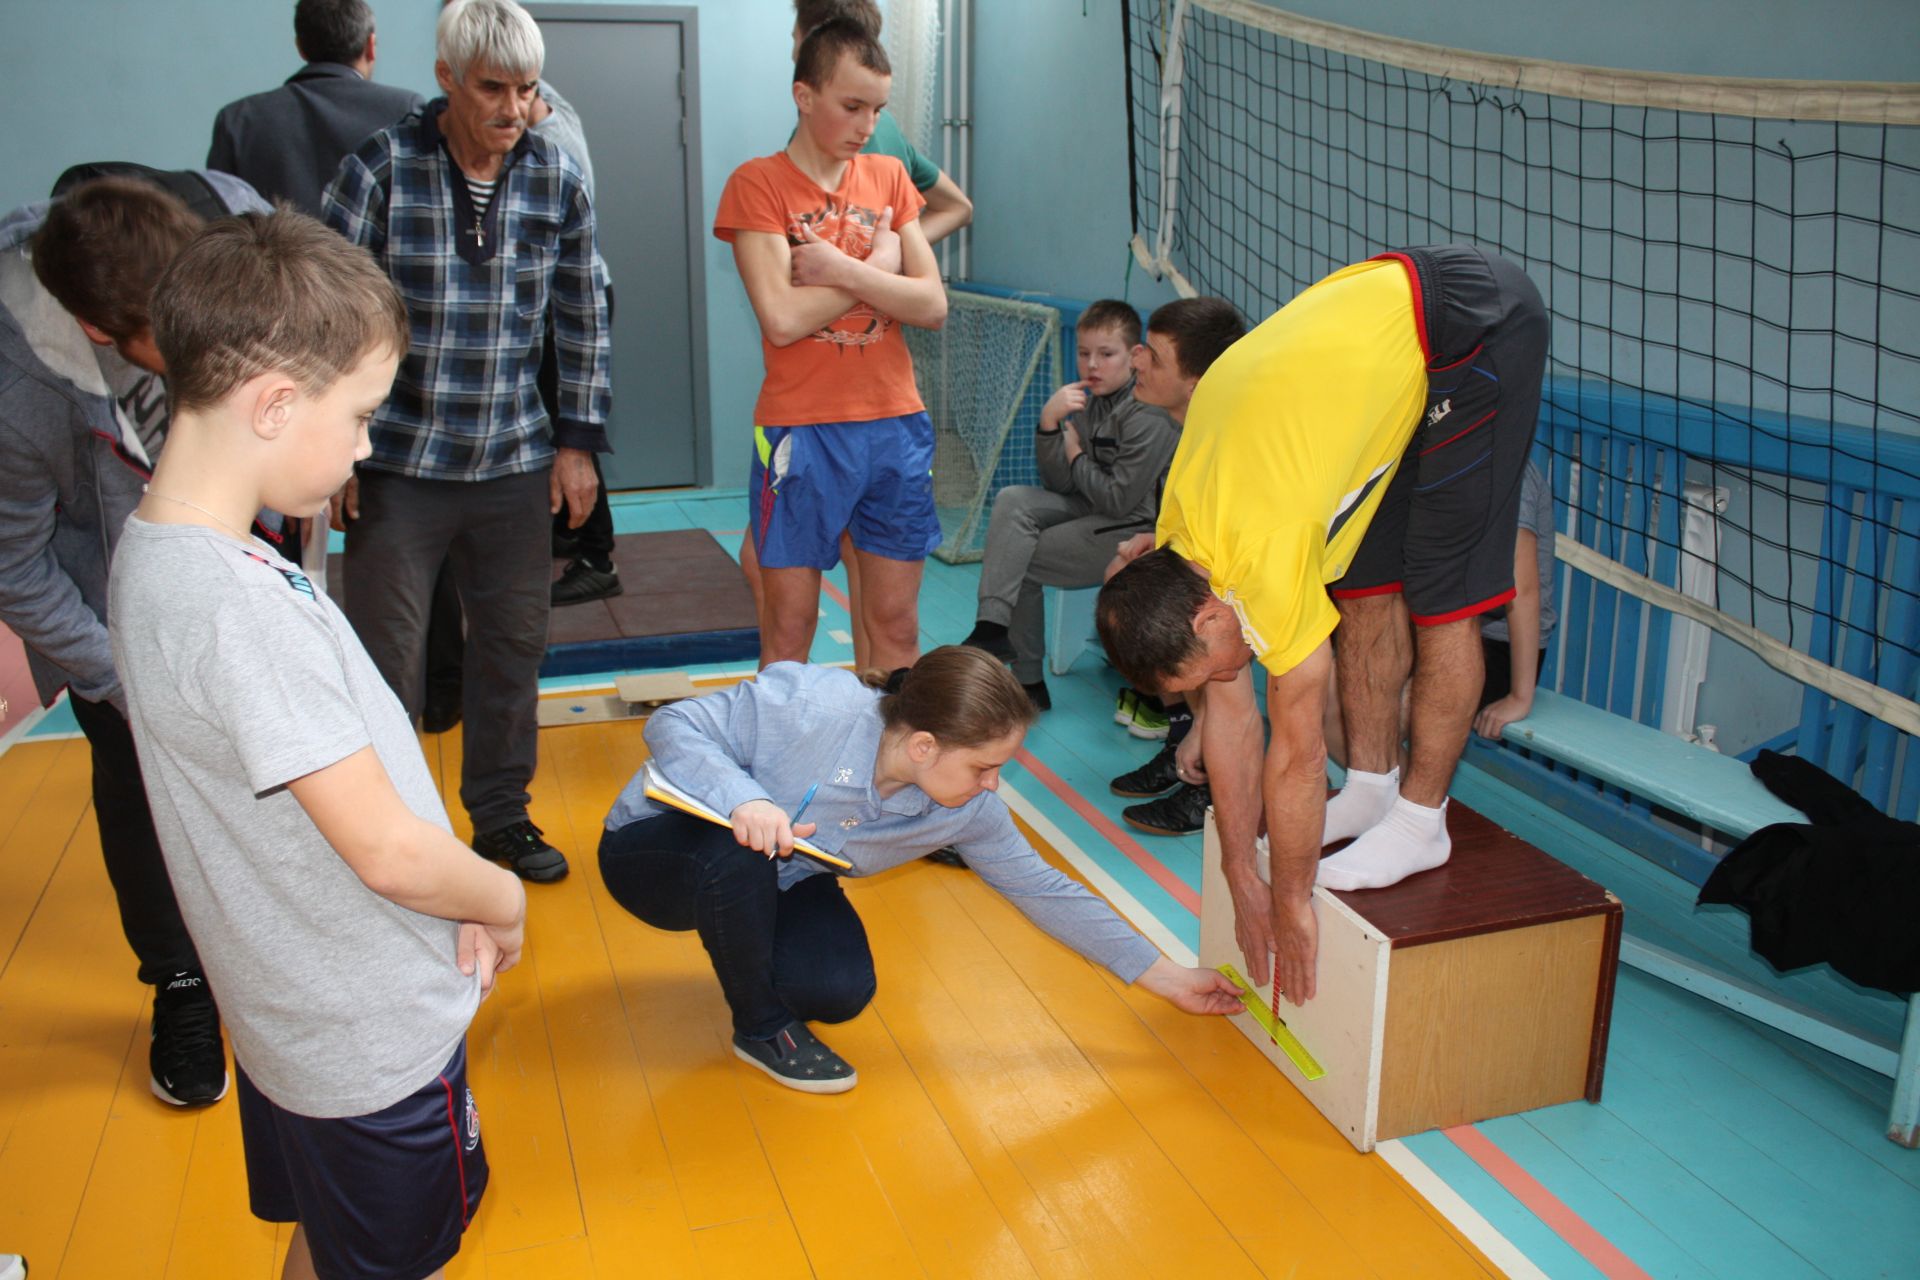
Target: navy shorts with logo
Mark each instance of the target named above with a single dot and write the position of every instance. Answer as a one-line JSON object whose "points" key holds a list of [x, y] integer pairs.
{"points": [[385, 1196], [1444, 532], [873, 480]]}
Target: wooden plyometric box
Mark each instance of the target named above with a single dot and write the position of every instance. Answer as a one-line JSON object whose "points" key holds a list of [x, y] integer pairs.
{"points": [[1476, 990]]}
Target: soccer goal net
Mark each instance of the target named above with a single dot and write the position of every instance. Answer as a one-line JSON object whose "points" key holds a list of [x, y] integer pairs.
{"points": [[984, 376], [1732, 267]]}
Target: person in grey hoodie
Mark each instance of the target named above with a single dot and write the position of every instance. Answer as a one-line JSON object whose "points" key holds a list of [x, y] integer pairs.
{"points": [[1102, 456], [82, 416]]}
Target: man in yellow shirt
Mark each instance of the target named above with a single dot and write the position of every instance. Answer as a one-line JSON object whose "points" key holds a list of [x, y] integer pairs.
{"points": [[1351, 465]]}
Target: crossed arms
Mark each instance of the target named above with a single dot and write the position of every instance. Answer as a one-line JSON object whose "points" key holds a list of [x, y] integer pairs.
{"points": [[799, 289]]}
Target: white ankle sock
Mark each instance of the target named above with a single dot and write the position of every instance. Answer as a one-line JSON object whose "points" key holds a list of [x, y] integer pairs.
{"points": [[1363, 801], [1410, 838]]}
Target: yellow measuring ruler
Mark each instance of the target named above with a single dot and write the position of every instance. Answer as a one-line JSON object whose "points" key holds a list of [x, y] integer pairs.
{"points": [[1276, 1030]]}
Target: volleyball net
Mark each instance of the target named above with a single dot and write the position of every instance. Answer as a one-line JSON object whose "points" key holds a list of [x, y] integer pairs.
{"points": [[984, 376], [1732, 269]]}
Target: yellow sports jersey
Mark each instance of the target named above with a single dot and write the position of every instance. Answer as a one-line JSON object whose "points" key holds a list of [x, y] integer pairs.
{"points": [[1290, 440]]}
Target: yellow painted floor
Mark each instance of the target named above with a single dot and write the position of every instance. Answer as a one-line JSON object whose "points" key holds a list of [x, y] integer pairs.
{"points": [[1020, 1113]]}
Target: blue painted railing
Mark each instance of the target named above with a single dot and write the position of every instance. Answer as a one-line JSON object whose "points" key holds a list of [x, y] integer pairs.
{"points": [[1632, 453]]}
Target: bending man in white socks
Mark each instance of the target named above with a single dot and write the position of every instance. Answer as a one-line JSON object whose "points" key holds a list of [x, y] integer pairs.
{"points": [[1349, 467]]}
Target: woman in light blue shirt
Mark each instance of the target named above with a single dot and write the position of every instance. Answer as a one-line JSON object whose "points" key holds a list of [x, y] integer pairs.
{"points": [[883, 777]]}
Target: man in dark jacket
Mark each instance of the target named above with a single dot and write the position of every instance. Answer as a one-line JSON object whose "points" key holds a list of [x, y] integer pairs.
{"points": [[288, 141]]}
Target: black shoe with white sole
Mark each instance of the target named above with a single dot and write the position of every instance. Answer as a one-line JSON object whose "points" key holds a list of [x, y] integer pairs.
{"points": [[581, 582], [525, 853], [1180, 812], [1155, 777], [796, 1058], [186, 1059]]}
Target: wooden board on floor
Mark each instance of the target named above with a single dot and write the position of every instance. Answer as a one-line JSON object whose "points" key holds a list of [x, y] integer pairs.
{"points": [[633, 698]]}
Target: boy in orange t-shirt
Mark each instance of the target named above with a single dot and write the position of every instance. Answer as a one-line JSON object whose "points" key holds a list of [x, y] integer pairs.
{"points": [[829, 246]]}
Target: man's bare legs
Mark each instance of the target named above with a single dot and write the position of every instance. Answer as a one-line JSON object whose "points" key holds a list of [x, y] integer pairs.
{"points": [[1373, 654], [1412, 835], [889, 607], [789, 613], [1447, 681]]}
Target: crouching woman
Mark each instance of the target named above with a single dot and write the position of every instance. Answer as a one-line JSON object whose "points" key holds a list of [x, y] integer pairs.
{"points": [[880, 777]]}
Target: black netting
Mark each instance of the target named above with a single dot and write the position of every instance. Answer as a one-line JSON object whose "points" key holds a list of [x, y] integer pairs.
{"points": [[1735, 301]]}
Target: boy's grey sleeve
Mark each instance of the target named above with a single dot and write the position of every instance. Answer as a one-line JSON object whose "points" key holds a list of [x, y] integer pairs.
{"points": [[271, 673], [1144, 441], [38, 601], [1050, 456]]}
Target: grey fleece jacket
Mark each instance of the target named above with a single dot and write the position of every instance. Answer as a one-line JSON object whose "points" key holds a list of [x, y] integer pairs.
{"points": [[1127, 448], [71, 469]]}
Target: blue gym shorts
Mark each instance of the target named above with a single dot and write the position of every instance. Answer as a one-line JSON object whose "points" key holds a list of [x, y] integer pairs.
{"points": [[874, 480], [385, 1196]]}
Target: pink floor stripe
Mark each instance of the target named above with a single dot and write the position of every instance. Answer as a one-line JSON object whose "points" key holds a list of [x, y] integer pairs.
{"points": [[1175, 887], [1546, 1206]]}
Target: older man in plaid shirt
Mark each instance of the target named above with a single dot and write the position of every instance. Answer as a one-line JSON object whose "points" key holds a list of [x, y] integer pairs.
{"points": [[487, 230]]}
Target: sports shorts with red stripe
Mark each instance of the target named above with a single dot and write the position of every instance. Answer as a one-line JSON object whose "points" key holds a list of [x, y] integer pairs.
{"points": [[1444, 533], [385, 1196]]}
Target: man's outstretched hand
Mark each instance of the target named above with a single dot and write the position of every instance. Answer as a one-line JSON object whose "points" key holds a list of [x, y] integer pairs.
{"points": [[1252, 922]]}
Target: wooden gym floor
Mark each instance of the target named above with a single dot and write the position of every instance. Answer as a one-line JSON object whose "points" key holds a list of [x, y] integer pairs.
{"points": [[1019, 1112]]}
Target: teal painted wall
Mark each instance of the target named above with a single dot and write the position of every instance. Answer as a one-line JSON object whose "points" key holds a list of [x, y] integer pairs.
{"points": [[142, 80]]}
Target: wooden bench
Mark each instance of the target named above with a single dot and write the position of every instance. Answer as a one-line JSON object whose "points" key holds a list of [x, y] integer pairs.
{"points": [[1596, 747], [1721, 794]]}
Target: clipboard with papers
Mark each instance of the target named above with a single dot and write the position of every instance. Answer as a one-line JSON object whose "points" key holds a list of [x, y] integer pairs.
{"points": [[661, 791]]}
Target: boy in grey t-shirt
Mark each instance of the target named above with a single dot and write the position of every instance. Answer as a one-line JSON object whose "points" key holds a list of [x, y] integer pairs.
{"points": [[347, 933]]}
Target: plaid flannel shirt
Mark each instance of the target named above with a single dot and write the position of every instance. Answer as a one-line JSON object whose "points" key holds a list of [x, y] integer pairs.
{"points": [[479, 289]]}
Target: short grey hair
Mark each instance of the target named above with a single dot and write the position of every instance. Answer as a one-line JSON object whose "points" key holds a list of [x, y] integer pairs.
{"points": [[496, 34]]}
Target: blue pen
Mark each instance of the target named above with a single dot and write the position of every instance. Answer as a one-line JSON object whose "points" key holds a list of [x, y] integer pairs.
{"points": [[804, 802]]}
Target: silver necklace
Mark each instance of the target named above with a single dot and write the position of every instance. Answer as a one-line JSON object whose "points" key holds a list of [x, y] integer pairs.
{"points": [[167, 497]]}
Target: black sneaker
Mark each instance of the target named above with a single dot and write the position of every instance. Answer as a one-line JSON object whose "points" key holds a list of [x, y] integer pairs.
{"points": [[187, 1062], [524, 852], [581, 582], [1037, 694], [1180, 812], [947, 856], [991, 636], [796, 1058], [1153, 778]]}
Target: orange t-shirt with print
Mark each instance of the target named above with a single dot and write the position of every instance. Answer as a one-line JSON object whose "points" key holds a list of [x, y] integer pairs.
{"points": [[857, 368]]}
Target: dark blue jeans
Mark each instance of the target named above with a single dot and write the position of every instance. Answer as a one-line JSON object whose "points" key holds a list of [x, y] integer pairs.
{"points": [[801, 954]]}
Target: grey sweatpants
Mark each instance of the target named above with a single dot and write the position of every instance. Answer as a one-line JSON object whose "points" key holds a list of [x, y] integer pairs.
{"points": [[1038, 538], [495, 537]]}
